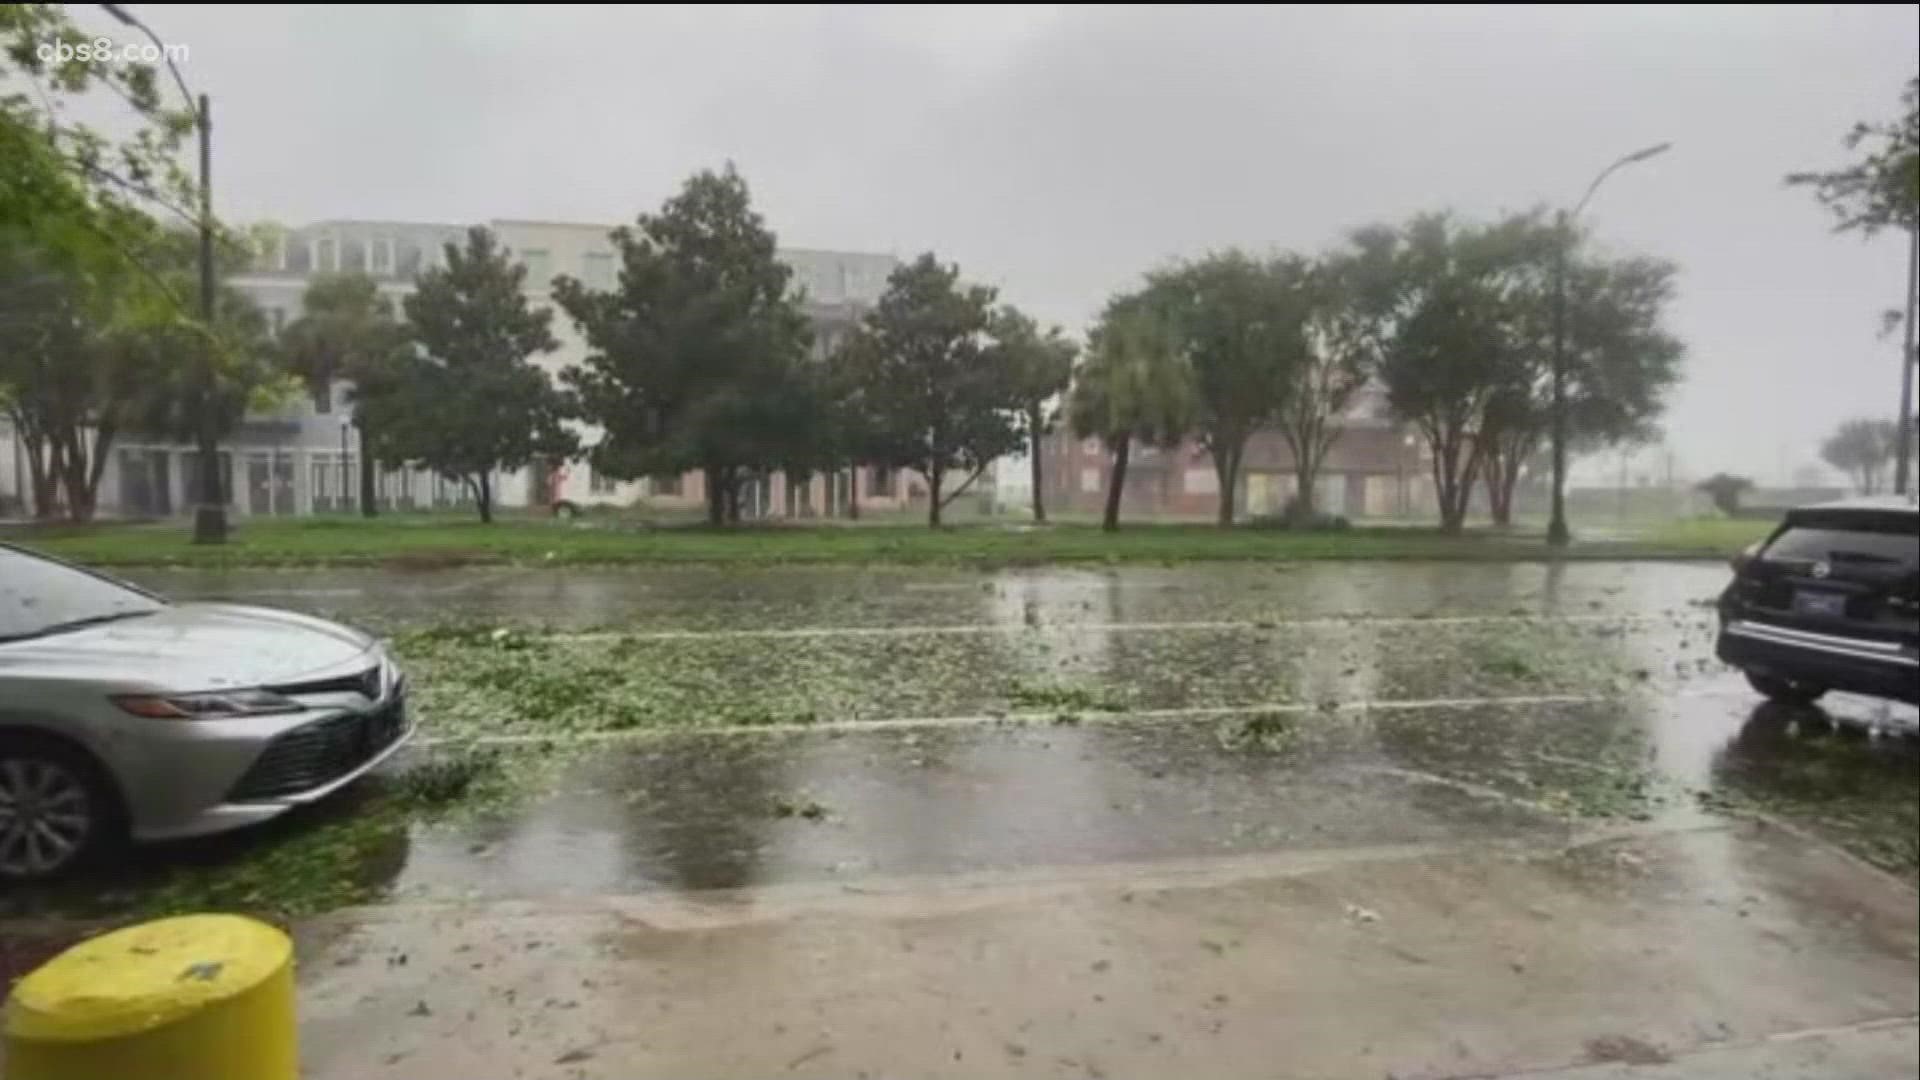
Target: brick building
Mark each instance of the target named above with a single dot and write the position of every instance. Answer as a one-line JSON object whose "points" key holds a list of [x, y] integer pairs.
{"points": [[1376, 469]]}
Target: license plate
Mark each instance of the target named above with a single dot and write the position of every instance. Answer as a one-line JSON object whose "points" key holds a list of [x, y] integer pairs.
{"points": [[1819, 602]]}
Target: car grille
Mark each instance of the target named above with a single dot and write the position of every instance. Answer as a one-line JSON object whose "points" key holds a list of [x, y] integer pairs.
{"points": [[319, 753], [365, 683]]}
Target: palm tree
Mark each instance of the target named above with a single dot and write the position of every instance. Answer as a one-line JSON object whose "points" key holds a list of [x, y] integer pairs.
{"points": [[346, 331], [1134, 384]]}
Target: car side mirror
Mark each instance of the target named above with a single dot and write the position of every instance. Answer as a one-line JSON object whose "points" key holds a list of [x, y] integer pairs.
{"points": [[1745, 556]]}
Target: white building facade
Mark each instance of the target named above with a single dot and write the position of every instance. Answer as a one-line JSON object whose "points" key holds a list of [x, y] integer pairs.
{"points": [[302, 458]]}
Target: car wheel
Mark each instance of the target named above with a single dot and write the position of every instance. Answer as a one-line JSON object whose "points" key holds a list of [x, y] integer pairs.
{"points": [[1784, 691], [55, 811]]}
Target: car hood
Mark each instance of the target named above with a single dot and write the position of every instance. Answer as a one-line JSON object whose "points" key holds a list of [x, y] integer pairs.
{"points": [[186, 647]]}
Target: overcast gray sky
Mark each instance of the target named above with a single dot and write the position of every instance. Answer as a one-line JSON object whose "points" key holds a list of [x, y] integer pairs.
{"points": [[1058, 153]]}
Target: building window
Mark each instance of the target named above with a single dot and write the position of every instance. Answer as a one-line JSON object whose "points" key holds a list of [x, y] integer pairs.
{"points": [[539, 266], [666, 484], [383, 255], [596, 270], [325, 258], [297, 254], [409, 261], [598, 483], [353, 255], [1090, 479], [880, 485]]}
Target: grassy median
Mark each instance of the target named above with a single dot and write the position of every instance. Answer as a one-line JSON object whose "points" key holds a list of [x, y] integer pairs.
{"points": [[433, 541]]}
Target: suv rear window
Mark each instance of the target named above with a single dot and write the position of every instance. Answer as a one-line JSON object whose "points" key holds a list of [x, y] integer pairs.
{"points": [[1886, 539]]}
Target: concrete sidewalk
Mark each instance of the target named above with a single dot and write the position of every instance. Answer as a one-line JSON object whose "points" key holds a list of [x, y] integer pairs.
{"points": [[1736, 950]]}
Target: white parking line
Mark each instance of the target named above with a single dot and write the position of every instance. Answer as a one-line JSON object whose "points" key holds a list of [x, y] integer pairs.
{"points": [[1091, 627], [1046, 719]]}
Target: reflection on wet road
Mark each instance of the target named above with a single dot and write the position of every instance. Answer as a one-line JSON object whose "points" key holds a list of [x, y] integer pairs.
{"points": [[1360, 706], [813, 597]]}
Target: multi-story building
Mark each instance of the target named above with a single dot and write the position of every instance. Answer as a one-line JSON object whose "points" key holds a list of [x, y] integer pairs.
{"points": [[301, 458], [1374, 469]]}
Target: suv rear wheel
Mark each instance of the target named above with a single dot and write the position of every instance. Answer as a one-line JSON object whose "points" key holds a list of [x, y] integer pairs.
{"points": [[1784, 691]]}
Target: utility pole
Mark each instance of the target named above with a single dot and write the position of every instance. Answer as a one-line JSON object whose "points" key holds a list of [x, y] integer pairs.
{"points": [[1557, 533]]}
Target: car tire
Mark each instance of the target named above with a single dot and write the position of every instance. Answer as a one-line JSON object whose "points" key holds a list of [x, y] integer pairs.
{"points": [[70, 798], [1784, 691]]}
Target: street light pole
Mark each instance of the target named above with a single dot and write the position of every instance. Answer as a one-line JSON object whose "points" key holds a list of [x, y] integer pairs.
{"points": [[210, 514], [1557, 533], [1909, 359], [210, 517]]}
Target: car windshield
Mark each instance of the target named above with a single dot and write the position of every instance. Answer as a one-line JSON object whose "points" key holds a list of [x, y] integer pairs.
{"points": [[38, 596]]}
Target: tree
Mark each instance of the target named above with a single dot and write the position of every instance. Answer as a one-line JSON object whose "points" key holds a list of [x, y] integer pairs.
{"points": [[468, 402], [1620, 359], [696, 359], [1725, 489], [346, 330], [1243, 324], [72, 192], [1443, 293], [1882, 190], [939, 395], [1134, 384], [94, 356], [1343, 349], [41, 332], [1041, 364], [1861, 448]]}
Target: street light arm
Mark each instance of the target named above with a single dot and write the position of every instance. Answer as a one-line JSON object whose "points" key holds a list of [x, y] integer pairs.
{"points": [[1636, 156], [126, 18]]}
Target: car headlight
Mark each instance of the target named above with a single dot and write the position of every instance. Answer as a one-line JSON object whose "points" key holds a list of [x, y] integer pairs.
{"points": [[212, 705]]}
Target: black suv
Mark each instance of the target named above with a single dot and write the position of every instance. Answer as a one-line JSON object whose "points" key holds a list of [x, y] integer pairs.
{"points": [[1828, 602]]}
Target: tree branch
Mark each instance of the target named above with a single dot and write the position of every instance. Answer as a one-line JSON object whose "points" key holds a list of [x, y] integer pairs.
{"points": [[975, 475]]}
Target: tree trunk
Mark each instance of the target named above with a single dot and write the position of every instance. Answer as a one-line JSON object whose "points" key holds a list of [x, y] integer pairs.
{"points": [[1117, 483], [1039, 498], [483, 497], [853, 493], [934, 475], [80, 474], [716, 496], [1303, 470], [41, 474], [1499, 493], [56, 468], [103, 439], [367, 499], [1498, 471], [1226, 469], [1445, 484], [210, 516], [733, 498]]}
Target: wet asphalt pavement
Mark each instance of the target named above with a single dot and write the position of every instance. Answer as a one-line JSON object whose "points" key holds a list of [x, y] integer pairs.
{"points": [[1206, 711], [1328, 820]]}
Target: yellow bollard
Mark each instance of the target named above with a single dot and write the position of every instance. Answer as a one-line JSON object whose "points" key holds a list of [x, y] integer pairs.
{"points": [[199, 997]]}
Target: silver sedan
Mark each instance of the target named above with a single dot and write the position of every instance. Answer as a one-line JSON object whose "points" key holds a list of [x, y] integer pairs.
{"points": [[125, 716]]}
